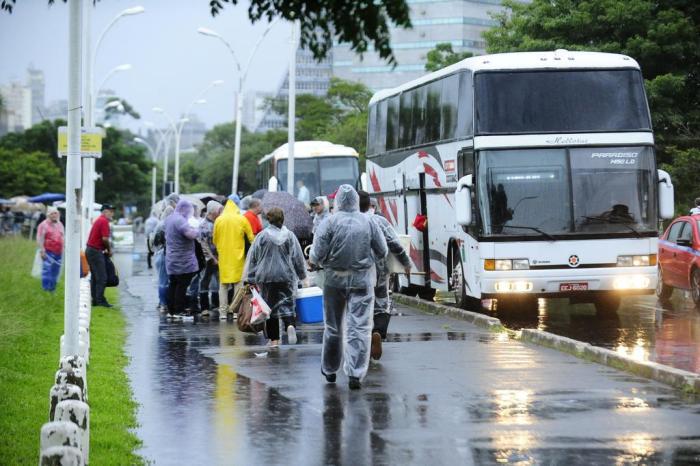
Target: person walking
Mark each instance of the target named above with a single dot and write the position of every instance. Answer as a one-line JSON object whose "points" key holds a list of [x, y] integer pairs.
{"points": [[319, 206], [209, 281], [149, 229], [50, 237], [276, 264], [347, 245], [254, 210], [98, 246], [180, 260], [231, 231], [382, 304]]}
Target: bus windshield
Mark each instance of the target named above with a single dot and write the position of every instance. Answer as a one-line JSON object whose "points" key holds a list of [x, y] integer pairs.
{"points": [[560, 101], [567, 191], [321, 175]]}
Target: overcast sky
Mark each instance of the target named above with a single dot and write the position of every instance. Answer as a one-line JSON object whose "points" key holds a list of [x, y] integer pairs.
{"points": [[171, 62]]}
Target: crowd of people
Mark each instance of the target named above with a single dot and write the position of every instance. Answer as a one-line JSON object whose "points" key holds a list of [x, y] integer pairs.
{"points": [[203, 258]]}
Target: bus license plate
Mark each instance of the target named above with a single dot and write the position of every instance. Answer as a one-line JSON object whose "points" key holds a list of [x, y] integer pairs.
{"points": [[580, 286]]}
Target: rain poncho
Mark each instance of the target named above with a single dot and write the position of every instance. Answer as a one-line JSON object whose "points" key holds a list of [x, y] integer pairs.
{"points": [[179, 239], [381, 290], [318, 218], [231, 230], [276, 263], [346, 246]]}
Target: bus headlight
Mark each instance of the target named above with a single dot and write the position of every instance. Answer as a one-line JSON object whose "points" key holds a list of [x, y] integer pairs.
{"points": [[636, 261], [506, 264], [631, 282]]}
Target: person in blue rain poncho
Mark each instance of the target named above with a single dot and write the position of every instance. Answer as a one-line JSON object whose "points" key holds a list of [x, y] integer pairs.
{"points": [[346, 245], [276, 264]]}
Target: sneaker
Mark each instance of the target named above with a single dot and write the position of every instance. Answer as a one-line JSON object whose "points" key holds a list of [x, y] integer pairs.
{"points": [[204, 314], [222, 313], [176, 316], [376, 350], [273, 344], [104, 304], [354, 383], [330, 378], [291, 335]]}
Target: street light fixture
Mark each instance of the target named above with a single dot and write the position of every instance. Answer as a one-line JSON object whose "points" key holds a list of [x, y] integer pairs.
{"points": [[242, 73]]}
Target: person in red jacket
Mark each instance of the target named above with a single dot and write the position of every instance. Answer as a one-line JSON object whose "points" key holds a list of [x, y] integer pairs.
{"points": [[97, 247], [252, 214]]}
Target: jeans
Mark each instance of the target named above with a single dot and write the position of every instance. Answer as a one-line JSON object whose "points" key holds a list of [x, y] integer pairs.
{"points": [[162, 278], [98, 275], [50, 270]]}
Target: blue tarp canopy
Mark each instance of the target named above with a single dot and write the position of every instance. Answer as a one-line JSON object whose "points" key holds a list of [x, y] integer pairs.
{"points": [[48, 197]]}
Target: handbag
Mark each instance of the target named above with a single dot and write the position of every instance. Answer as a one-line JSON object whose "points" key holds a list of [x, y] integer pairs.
{"points": [[37, 265], [244, 307], [261, 310], [112, 275]]}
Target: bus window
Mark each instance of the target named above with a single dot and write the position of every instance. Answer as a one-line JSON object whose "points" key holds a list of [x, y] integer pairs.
{"points": [[371, 129], [432, 124], [465, 115], [336, 171], [380, 128], [392, 123], [418, 124], [450, 97], [405, 120], [305, 170]]}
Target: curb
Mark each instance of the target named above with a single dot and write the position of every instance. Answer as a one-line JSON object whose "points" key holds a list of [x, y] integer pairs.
{"points": [[688, 382], [480, 320]]}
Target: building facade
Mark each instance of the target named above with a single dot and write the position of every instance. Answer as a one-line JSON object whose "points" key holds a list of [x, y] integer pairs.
{"points": [[37, 87], [16, 107], [459, 23]]}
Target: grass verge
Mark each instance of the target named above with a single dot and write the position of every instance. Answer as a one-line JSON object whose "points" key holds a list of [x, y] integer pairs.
{"points": [[32, 323]]}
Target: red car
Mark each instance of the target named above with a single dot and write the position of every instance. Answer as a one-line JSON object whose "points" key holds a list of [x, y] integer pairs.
{"points": [[679, 258]]}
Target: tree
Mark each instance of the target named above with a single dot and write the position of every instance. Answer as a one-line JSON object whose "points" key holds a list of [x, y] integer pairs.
{"points": [[28, 173], [443, 55], [360, 24], [684, 173], [41, 137], [124, 108]]}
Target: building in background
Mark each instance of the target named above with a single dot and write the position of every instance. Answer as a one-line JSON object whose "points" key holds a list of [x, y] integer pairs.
{"points": [[16, 107], [312, 77], [37, 87], [57, 110], [459, 23], [254, 108], [193, 133]]}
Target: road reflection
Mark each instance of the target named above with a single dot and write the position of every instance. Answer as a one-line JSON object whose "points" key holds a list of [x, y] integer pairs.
{"points": [[643, 327]]}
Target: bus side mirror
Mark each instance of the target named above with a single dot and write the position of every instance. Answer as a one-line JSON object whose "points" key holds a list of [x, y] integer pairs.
{"points": [[666, 200], [272, 184], [364, 185], [463, 201]]}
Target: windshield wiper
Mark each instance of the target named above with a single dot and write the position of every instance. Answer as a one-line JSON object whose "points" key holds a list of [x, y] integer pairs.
{"points": [[542, 232], [609, 222]]}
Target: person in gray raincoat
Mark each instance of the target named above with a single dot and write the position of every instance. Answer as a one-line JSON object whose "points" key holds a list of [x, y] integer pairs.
{"points": [[346, 245], [180, 260], [319, 205], [275, 264], [382, 305]]}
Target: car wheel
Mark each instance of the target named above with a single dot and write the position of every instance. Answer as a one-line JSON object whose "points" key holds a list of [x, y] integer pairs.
{"points": [[695, 286], [663, 291]]}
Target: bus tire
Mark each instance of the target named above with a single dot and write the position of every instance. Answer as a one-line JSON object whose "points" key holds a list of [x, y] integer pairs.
{"points": [[457, 284], [663, 291], [426, 293], [410, 290], [607, 304]]}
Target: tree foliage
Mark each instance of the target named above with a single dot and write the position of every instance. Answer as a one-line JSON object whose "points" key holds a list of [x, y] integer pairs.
{"points": [[443, 55], [360, 24], [125, 108], [663, 37], [27, 173]]}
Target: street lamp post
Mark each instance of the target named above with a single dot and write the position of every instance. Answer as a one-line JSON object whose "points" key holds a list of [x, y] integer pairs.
{"points": [[154, 155], [164, 144], [242, 73], [177, 128], [88, 181]]}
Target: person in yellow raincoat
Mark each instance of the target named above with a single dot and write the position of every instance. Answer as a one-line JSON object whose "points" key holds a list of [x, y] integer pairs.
{"points": [[231, 230]]}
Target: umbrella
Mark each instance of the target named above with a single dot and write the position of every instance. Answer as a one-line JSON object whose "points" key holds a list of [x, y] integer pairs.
{"points": [[296, 217], [21, 204], [48, 198], [260, 193]]}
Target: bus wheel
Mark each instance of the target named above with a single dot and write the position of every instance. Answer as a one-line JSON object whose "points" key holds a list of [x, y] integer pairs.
{"points": [[663, 291], [426, 293], [607, 304], [410, 290], [458, 284]]}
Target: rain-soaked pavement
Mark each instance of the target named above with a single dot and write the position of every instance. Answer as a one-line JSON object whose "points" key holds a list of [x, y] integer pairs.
{"points": [[445, 392]]}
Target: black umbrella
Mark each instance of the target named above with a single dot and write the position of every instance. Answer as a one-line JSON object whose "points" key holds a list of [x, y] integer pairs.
{"points": [[296, 217]]}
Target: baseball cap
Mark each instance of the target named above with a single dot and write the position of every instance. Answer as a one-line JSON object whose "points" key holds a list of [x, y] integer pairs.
{"points": [[107, 207]]}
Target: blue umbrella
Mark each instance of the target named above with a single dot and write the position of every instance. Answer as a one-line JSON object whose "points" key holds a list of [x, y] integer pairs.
{"points": [[48, 197]]}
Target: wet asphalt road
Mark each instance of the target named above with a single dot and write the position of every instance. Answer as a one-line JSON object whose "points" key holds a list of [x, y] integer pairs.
{"points": [[445, 392]]}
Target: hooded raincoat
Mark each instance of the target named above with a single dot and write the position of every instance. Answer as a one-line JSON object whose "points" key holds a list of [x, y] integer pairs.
{"points": [[346, 245], [276, 263], [318, 218], [231, 230], [180, 257]]}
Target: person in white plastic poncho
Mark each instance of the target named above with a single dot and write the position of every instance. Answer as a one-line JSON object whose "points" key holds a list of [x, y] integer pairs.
{"points": [[276, 264], [346, 246]]}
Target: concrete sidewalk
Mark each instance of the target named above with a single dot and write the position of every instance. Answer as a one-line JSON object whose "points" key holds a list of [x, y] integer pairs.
{"points": [[445, 392]]}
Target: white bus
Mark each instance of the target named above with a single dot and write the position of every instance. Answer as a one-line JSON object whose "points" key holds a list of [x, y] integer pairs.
{"points": [[322, 167], [536, 172]]}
